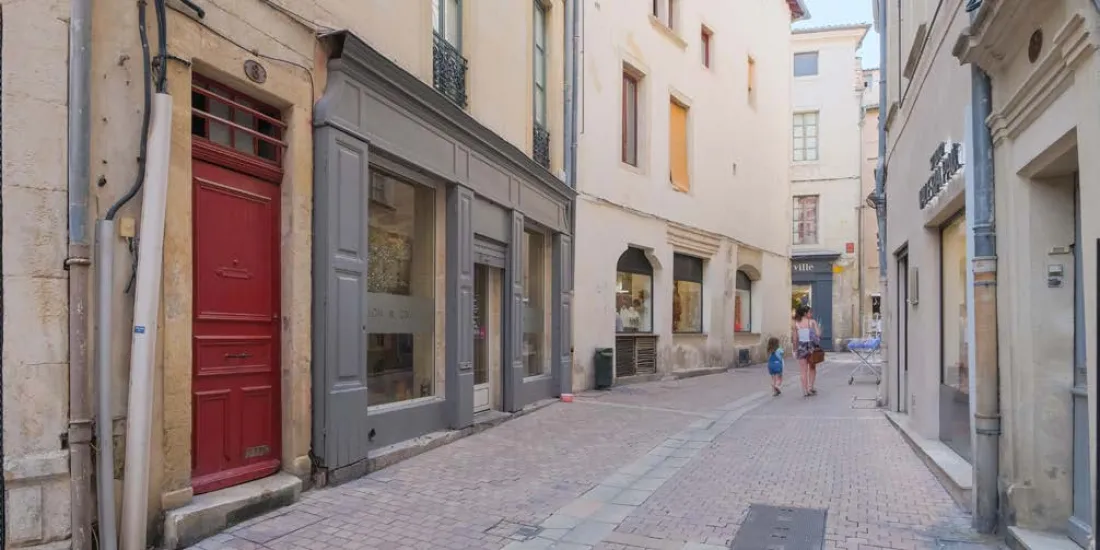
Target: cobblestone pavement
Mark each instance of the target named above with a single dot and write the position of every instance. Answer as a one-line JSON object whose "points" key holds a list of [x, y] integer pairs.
{"points": [[670, 464]]}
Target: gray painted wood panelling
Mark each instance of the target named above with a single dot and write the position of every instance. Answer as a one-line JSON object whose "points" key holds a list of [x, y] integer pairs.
{"points": [[460, 307], [562, 290], [514, 368], [339, 367]]}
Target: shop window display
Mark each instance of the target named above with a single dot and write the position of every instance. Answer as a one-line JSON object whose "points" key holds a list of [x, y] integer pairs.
{"points": [[687, 294], [634, 293], [956, 371], [535, 287], [401, 291]]}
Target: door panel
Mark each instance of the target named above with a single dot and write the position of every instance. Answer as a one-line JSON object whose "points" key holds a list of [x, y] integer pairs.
{"points": [[235, 349], [1079, 524]]}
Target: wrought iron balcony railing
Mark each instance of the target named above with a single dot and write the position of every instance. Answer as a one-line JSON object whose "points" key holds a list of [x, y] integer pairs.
{"points": [[449, 71], [542, 146]]}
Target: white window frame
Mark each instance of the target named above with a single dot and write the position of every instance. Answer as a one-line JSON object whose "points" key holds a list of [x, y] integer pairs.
{"points": [[805, 127]]}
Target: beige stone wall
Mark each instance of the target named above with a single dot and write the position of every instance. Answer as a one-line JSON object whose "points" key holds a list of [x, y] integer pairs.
{"points": [[35, 284], [282, 34], [1043, 128]]}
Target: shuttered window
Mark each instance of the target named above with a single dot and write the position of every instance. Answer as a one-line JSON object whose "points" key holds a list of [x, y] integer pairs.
{"points": [[678, 146]]}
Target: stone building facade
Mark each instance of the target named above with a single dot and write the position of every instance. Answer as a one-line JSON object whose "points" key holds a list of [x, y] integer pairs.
{"points": [[349, 186], [690, 267], [1040, 58], [826, 191]]}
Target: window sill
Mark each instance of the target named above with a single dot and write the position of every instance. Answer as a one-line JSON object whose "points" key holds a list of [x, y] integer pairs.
{"points": [[667, 32], [536, 378], [700, 334], [635, 334], [399, 405], [632, 168]]}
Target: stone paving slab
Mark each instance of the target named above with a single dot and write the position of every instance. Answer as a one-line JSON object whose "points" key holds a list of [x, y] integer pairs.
{"points": [[665, 465]]}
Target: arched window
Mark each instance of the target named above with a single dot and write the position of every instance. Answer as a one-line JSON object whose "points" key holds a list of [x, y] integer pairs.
{"points": [[742, 307], [634, 292]]}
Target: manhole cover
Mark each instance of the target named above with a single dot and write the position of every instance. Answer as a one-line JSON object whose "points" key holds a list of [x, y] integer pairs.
{"points": [[781, 528]]}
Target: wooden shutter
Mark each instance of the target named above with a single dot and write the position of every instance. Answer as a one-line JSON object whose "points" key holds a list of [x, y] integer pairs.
{"points": [[678, 146]]}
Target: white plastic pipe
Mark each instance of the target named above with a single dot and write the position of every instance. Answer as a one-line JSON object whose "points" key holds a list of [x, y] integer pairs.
{"points": [[139, 416]]}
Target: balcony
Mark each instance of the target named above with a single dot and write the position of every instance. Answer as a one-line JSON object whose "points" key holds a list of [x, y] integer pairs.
{"points": [[541, 153], [449, 71]]}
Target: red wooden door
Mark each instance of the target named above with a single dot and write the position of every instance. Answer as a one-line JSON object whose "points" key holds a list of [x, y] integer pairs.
{"points": [[236, 424]]}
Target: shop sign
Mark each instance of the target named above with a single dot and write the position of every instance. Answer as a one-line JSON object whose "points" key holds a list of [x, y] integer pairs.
{"points": [[945, 163], [811, 267]]}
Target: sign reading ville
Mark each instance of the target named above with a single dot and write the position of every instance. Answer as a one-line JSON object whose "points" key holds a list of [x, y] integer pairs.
{"points": [[945, 164]]}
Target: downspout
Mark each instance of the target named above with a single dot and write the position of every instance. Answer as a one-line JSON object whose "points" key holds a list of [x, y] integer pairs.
{"points": [[78, 264], [572, 94], [880, 169], [987, 413], [859, 222]]}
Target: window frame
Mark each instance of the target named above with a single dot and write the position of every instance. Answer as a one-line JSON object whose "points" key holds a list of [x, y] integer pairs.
{"points": [[439, 22], [681, 273], [630, 263], [794, 64], [540, 52], [629, 150], [705, 36], [804, 126], [797, 222], [747, 328]]}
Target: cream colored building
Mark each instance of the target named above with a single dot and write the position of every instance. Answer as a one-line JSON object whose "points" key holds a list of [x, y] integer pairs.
{"points": [[1042, 63], [871, 307], [435, 126], [685, 263], [826, 163]]}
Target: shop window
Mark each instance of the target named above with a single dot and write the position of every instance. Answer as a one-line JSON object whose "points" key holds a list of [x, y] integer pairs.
{"points": [[804, 220], [234, 121], [400, 291], [630, 118], [805, 137], [956, 370], [678, 146], [742, 305], [687, 293], [634, 292], [535, 288], [805, 64]]}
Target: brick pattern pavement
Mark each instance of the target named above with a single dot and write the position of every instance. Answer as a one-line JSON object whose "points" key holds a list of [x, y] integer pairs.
{"points": [[661, 465]]}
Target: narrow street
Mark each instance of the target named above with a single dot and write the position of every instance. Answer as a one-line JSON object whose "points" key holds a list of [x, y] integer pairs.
{"points": [[672, 464]]}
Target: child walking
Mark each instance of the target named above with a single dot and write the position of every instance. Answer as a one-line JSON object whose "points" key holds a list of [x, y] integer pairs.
{"points": [[775, 365]]}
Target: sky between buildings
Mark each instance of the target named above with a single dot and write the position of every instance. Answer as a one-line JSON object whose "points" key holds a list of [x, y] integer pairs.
{"points": [[841, 12]]}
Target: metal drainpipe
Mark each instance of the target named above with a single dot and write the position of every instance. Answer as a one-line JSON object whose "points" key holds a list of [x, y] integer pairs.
{"points": [[987, 413], [880, 171], [77, 263]]}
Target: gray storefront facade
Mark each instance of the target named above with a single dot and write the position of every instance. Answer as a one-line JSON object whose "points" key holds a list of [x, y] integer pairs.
{"points": [[442, 265]]}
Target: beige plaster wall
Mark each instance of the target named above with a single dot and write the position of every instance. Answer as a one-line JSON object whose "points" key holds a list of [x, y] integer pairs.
{"points": [[869, 219], [35, 284], [928, 115], [739, 179], [501, 56]]}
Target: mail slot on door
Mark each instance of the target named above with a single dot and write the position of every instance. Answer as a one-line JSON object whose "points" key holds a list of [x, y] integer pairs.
{"points": [[214, 357]]}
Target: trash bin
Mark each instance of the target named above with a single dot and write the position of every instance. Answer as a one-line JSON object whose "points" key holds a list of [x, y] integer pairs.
{"points": [[604, 361]]}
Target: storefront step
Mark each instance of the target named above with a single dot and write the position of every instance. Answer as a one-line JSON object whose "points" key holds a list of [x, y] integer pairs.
{"points": [[953, 472], [210, 513], [1026, 539]]}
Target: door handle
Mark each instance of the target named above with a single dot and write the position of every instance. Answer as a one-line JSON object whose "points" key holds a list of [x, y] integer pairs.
{"points": [[242, 355]]}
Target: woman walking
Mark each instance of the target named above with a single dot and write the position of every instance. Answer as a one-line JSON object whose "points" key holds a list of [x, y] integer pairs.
{"points": [[806, 335]]}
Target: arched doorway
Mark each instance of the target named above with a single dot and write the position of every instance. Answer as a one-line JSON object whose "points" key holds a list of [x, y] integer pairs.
{"points": [[635, 342]]}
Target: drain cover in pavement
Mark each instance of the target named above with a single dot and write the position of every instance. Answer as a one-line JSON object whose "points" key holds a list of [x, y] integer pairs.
{"points": [[781, 528]]}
